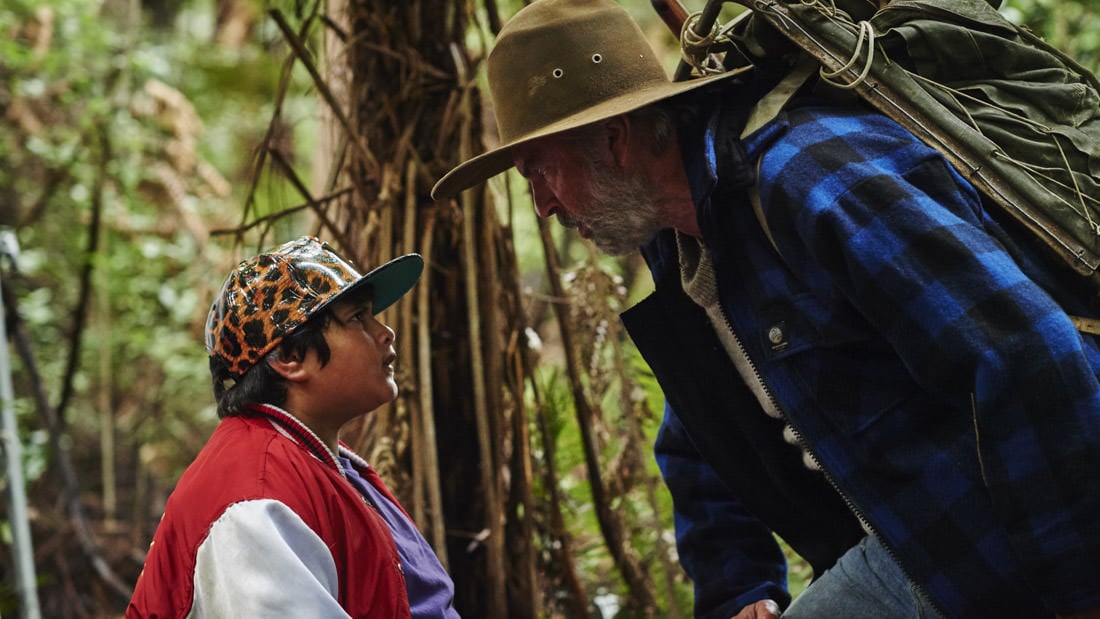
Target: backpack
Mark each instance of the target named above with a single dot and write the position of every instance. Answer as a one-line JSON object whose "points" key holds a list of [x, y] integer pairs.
{"points": [[1016, 117]]}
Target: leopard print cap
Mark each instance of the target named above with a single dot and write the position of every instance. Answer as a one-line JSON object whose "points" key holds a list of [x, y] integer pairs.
{"points": [[269, 296]]}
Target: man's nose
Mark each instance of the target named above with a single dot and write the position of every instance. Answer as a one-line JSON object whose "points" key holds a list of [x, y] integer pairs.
{"points": [[545, 202]]}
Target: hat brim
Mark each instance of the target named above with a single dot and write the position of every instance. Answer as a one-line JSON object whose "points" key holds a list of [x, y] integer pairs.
{"points": [[389, 282], [499, 159]]}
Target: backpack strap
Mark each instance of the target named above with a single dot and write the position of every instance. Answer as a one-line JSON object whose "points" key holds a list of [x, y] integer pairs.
{"points": [[770, 105], [1085, 325], [758, 209], [766, 109]]}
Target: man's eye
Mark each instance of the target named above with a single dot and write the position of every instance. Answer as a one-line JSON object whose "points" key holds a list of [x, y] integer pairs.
{"points": [[532, 172]]}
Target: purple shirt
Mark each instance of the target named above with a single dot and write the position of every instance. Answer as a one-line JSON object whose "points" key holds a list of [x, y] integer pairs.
{"points": [[430, 589]]}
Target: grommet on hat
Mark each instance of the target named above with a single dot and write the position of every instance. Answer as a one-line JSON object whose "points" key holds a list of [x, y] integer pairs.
{"points": [[270, 295], [601, 66]]}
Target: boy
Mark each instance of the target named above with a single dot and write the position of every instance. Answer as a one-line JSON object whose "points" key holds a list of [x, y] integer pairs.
{"points": [[276, 517]]}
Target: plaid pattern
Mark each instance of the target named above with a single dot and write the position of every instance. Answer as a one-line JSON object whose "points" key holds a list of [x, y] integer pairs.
{"points": [[943, 391]]}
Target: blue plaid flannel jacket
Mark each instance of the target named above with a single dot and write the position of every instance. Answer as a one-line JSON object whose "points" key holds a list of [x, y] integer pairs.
{"points": [[923, 363]]}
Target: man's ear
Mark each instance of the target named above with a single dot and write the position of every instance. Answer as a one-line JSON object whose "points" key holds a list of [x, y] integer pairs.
{"points": [[618, 133], [291, 367]]}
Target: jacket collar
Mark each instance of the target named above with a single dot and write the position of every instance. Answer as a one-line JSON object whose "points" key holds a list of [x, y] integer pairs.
{"points": [[289, 426]]}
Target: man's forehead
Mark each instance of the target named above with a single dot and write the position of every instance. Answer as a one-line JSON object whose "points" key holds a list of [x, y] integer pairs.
{"points": [[539, 150]]}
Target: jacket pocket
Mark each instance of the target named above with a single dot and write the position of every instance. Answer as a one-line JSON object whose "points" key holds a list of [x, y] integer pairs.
{"points": [[826, 351]]}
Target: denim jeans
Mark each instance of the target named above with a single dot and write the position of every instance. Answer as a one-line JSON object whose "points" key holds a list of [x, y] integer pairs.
{"points": [[866, 583]]}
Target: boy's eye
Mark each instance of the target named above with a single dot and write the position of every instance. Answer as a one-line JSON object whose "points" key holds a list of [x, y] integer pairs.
{"points": [[359, 317]]}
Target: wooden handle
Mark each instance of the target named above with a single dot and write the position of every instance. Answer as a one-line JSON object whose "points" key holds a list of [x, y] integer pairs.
{"points": [[672, 13]]}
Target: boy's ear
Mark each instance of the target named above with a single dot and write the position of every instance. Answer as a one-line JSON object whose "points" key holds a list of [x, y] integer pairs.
{"points": [[291, 367]]}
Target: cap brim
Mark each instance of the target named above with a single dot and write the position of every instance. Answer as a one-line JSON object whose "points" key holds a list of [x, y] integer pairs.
{"points": [[499, 159], [389, 282]]}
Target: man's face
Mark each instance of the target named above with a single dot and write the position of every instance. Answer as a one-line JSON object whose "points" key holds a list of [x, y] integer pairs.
{"points": [[575, 178]]}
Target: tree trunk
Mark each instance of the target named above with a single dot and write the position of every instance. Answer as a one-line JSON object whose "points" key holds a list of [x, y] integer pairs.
{"points": [[448, 444]]}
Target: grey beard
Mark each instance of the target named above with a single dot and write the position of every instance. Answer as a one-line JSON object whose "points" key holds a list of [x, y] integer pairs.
{"points": [[624, 214]]}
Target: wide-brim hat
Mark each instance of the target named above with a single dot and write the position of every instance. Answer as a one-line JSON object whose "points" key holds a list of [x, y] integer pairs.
{"points": [[270, 295], [562, 64]]}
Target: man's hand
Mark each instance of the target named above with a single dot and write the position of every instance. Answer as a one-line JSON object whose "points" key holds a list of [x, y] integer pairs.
{"points": [[764, 609], [1092, 613]]}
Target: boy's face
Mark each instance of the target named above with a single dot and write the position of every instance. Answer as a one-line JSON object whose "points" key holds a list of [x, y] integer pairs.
{"points": [[359, 375]]}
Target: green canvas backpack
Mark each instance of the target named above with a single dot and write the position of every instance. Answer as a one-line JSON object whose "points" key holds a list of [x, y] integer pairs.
{"points": [[1015, 116]]}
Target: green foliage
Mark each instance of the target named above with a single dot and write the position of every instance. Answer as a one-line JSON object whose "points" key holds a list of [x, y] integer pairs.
{"points": [[1072, 26], [77, 153], [150, 135]]}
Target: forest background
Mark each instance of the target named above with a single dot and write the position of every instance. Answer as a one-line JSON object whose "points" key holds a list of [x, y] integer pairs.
{"points": [[148, 145]]}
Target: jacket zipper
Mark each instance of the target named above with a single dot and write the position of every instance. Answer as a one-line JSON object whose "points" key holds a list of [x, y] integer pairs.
{"points": [[852, 506]]}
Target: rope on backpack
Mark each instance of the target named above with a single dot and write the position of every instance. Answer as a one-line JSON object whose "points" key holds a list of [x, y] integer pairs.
{"points": [[866, 33], [1085, 205], [693, 47]]}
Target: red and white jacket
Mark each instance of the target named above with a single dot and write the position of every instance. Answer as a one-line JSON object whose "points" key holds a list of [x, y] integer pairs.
{"points": [[264, 523]]}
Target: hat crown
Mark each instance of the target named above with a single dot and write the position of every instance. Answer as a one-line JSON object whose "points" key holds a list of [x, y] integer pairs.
{"points": [[270, 295], [562, 64], [556, 59]]}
